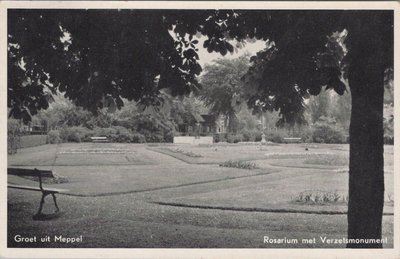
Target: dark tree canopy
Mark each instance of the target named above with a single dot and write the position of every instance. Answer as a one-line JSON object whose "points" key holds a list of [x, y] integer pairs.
{"points": [[98, 55]]}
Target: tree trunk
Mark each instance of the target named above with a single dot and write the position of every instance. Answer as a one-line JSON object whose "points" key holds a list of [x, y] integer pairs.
{"points": [[366, 175]]}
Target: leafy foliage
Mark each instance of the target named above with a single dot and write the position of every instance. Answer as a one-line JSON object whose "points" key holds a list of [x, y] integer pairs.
{"points": [[98, 57], [54, 137], [326, 131], [222, 88], [319, 106]]}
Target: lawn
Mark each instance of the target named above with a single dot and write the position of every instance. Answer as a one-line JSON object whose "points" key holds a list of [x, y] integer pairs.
{"points": [[179, 196]]}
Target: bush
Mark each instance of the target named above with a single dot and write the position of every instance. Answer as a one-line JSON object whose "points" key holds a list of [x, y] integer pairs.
{"points": [[234, 138], [319, 197], [251, 135], [219, 137], [275, 136], [138, 138], [74, 137], [239, 164], [325, 133], [169, 136], [306, 135], [117, 134], [153, 137], [13, 126], [32, 141], [76, 134], [104, 132], [54, 137]]}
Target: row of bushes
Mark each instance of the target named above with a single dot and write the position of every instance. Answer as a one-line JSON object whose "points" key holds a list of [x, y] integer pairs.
{"points": [[114, 134], [321, 133]]}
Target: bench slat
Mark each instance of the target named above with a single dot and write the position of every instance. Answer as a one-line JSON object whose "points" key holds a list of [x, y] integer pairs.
{"points": [[29, 172], [32, 188], [99, 139]]}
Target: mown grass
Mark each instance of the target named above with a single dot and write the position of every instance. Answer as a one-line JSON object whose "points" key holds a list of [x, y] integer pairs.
{"points": [[130, 221], [328, 159], [127, 222]]}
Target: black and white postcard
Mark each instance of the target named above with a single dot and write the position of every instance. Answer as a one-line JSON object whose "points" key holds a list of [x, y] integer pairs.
{"points": [[197, 129]]}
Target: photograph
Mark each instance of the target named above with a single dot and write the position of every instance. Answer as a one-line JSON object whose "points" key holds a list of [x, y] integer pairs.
{"points": [[199, 126]]}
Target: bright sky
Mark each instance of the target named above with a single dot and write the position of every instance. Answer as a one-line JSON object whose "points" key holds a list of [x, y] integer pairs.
{"points": [[207, 58]]}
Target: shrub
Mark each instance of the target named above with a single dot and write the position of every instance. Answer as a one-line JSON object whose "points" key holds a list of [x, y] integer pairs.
{"points": [[306, 135], [104, 132], [75, 134], [32, 141], [328, 134], [234, 138], [239, 164], [251, 135], [327, 131], [138, 138], [73, 137], [152, 137], [121, 130], [13, 132], [54, 137], [120, 134], [258, 137], [219, 137], [13, 126], [275, 136], [319, 197], [247, 136], [169, 136], [116, 134]]}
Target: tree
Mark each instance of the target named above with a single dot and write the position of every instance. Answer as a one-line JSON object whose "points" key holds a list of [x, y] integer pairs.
{"points": [[62, 112], [319, 106], [222, 88], [341, 109], [96, 54], [93, 55]]}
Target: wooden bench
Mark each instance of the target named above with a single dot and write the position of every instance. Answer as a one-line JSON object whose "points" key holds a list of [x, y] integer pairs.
{"points": [[99, 139], [291, 140], [45, 191]]}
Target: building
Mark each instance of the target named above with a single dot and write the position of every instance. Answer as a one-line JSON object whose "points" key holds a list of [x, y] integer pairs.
{"points": [[204, 124]]}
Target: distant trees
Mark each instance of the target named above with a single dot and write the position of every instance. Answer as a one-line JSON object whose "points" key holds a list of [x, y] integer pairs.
{"points": [[222, 88], [63, 113], [320, 106]]}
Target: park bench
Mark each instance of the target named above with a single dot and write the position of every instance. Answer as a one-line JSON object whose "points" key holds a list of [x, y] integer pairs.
{"points": [[45, 191], [99, 139], [292, 140]]}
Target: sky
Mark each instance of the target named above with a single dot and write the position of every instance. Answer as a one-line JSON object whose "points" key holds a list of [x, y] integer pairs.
{"points": [[207, 58]]}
